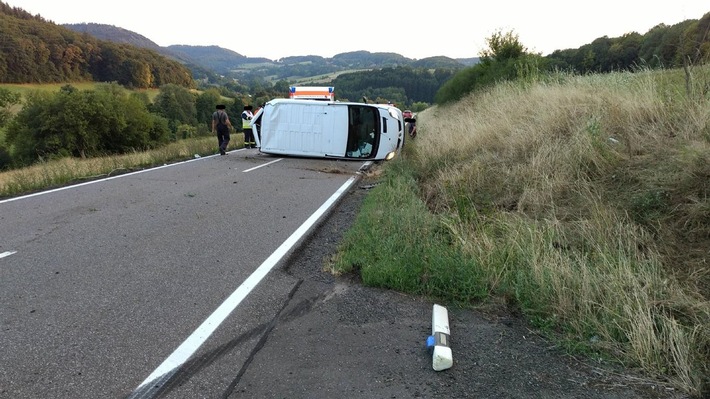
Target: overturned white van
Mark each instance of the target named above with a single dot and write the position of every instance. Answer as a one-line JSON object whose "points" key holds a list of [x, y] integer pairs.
{"points": [[329, 129]]}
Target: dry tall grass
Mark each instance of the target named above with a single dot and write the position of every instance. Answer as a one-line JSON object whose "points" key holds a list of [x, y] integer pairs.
{"points": [[587, 202], [63, 171]]}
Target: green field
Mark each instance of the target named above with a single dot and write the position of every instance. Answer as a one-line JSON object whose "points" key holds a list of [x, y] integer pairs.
{"points": [[26, 88]]}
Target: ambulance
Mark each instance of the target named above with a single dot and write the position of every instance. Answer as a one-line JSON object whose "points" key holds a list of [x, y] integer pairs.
{"points": [[329, 129]]}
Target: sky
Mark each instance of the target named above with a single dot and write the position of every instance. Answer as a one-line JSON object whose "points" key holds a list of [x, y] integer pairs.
{"points": [[416, 29]]}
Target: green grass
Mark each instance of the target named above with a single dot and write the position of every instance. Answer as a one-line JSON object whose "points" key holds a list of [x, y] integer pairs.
{"points": [[425, 263], [320, 79], [25, 88], [581, 202]]}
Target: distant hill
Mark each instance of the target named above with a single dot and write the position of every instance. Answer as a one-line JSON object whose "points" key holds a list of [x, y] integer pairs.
{"points": [[469, 61], [114, 34], [443, 62], [35, 50], [227, 62]]}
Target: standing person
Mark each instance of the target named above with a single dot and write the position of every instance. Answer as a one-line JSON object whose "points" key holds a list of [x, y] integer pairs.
{"points": [[221, 125], [246, 126], [257, 127], [410, 122]]}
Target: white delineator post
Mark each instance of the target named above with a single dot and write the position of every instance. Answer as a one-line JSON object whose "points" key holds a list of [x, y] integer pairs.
{"points": [[438, 342]]}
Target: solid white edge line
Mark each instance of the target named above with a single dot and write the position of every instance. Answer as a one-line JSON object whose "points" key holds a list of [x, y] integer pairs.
{"points": [[200, 335], [102, 180]]}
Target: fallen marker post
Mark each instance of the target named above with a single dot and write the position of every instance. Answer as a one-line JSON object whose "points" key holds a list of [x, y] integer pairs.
{"points": [[438, 341]]}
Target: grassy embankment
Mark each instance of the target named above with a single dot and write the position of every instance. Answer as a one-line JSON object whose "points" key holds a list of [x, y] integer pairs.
{"points": [[583, 202]]}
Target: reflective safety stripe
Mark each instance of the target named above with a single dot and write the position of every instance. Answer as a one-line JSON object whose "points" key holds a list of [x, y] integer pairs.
{"points": [[245, 121]]}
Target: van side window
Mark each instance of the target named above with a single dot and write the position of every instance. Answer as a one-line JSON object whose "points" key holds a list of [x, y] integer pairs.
{"points": [[363, 131]]}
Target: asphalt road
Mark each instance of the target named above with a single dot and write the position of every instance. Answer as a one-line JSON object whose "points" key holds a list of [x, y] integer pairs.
{"points": [[110, 288]]}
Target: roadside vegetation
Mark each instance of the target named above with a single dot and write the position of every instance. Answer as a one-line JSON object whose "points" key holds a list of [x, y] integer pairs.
{"points": [[70, 170], [582, 202], [42, 123]]}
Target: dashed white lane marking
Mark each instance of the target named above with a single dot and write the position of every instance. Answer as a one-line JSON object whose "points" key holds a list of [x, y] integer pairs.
{"points": [[7, 253], [261, 166]]}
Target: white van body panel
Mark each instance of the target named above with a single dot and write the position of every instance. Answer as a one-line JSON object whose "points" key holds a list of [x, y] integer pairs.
{"points": [[307, 126], [329, 129]]}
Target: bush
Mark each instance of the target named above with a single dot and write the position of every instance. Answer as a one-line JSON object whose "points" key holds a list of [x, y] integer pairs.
{"points": [[106, 120]]}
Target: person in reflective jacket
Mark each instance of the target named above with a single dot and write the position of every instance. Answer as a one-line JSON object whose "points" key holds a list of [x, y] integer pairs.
{"points": [[247, 115]]}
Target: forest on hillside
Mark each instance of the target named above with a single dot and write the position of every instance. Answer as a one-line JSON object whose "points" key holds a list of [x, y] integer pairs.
{"points": [[667, 46], [221, 61], [33, 50]]}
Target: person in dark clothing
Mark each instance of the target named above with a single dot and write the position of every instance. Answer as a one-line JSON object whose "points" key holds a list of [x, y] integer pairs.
{"points": [[221, 126]]}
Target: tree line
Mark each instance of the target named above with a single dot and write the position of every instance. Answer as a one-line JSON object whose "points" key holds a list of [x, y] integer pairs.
{"points": [[33, 50], [403, 86], [664, 46], [506, 58], [108, 119]]}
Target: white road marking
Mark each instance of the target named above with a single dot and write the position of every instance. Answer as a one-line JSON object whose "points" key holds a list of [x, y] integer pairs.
{"points": [[101, 180], [203, 332], [261, 166], [7, 253]]}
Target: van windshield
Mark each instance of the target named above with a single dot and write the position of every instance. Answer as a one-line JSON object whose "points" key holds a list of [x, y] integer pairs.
{"points": [[363, 131]]}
